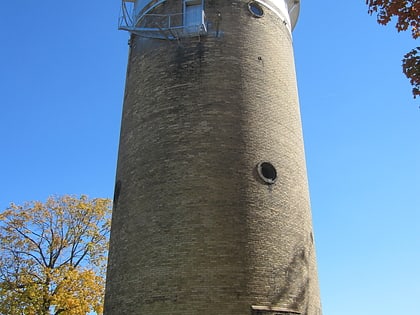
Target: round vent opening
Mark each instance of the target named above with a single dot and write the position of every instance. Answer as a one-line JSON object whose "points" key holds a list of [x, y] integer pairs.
{"points": [[267, 172]]}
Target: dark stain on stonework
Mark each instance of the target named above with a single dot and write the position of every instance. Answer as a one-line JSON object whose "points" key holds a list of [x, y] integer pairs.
{"points": [[200, 52], [117, 191], [297, 289], [188, 58]]}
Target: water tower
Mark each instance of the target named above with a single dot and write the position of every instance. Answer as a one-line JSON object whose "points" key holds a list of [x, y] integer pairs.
{"points": [[211, 207]]}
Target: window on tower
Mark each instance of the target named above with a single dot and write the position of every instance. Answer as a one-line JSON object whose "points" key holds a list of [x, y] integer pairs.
{"points": [[266, 310], [256, 9]]}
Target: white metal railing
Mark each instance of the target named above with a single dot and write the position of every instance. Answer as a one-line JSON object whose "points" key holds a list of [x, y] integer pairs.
{"points": [[163, 21], [139, 21], [126, 18]]}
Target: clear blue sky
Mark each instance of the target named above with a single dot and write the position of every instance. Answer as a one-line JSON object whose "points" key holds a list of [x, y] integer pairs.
{"points": [[62, 72]]}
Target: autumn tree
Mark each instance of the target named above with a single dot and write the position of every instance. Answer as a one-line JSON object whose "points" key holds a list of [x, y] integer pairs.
{"points": [[53, 256], [407, 16]]}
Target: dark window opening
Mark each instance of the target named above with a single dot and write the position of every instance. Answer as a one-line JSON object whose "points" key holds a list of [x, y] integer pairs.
{"points": [[255, 9], [267, 172], [267, 310]]}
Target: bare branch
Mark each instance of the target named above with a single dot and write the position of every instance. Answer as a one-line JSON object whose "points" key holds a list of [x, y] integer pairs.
{"points": [[35, 243]]}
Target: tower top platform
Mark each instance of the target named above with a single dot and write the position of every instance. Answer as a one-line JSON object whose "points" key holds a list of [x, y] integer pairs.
{"points": [[187, 17]]}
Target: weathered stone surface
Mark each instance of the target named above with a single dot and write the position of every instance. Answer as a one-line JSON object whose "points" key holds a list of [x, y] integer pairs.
{"points": [[195, 230]]}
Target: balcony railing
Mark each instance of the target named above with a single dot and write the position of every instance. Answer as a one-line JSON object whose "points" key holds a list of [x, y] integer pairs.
{"points": [[165, 26]]}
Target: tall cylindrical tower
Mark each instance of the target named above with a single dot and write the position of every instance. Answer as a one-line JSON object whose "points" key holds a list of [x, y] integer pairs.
{"points": [[211, 207]]}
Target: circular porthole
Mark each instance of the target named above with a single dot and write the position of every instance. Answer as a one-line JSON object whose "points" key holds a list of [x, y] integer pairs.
{"points": [[267, 172], [256, 9]]}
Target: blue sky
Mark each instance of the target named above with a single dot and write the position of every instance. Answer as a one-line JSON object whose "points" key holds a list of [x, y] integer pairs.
{"points": [[62, 82]]}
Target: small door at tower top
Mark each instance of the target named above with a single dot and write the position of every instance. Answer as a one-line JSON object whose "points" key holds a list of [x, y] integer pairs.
{"points": [[193, 15]]}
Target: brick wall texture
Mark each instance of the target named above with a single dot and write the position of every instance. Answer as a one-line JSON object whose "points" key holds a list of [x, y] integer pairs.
{"points": [[194, 229]]}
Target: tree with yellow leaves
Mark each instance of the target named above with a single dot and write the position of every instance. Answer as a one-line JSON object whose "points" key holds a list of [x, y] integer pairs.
{"points": [[53, 256], [407, 15]]}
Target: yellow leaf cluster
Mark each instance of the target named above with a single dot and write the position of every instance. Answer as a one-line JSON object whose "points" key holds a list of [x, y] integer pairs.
{"points": [[53, 256]]}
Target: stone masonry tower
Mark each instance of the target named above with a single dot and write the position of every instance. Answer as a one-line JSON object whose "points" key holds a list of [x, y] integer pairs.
{"points": [[211, 207]]}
